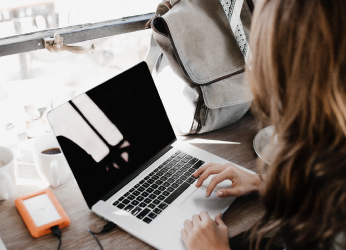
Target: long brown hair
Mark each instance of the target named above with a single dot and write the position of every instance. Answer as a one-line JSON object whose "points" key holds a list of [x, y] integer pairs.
{"points": [[298, 81]]}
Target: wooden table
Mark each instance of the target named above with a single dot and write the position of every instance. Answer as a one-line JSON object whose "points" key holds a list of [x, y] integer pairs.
{"points": [[240, 217]]}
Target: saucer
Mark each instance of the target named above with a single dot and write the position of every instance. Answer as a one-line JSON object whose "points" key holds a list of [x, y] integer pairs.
{"points": [[261, 142]]}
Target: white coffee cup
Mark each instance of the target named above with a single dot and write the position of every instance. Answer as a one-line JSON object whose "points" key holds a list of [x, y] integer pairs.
{"points": [[50, 167], [7, 173]]}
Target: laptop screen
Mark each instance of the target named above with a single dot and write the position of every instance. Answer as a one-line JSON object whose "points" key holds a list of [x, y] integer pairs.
{"points": [[109, 132]]}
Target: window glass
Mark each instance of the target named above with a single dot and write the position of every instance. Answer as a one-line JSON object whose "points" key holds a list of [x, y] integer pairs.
{"points": [[32, 83], [24, 16]]}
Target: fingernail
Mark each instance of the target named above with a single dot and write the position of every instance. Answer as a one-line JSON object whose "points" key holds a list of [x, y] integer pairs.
{"points": [[206, 195], [219, 194]]}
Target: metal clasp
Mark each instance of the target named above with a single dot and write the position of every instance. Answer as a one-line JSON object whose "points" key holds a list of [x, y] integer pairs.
{"points": [[56, 44]]}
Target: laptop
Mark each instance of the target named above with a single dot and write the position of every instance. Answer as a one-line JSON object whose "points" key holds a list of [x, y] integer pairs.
{"points": [[128, 163]]}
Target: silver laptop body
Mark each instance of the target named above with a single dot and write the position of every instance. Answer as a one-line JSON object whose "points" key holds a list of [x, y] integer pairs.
{"points": [[128, 163]]}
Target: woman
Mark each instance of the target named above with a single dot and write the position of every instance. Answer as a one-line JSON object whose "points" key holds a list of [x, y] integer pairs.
{"points": [[298, 81]]}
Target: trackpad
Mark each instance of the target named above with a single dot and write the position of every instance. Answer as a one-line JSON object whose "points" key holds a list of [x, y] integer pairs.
{"points": [[197, 202]]}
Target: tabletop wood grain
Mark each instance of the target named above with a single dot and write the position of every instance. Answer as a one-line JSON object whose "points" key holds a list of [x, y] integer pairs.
{"points": [[240, 216]]}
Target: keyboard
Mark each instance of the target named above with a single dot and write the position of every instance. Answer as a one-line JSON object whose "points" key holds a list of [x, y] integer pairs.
{"points": [[155, 192]]}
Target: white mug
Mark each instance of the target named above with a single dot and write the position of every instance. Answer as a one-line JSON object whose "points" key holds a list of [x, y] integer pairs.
{"points": [[50, 167], [7, 173]]}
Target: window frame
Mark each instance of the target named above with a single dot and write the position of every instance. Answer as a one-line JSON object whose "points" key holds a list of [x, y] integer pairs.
{"points": [[73, 34]]}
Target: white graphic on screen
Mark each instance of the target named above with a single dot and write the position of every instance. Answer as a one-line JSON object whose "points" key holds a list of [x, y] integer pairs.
{"points": [[67, 122]]}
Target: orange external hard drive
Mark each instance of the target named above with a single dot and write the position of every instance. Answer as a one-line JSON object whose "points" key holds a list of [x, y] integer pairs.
{"points": [[41, 211]]}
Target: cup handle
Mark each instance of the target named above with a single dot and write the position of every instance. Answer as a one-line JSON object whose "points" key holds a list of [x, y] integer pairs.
{"points": [[54, 173], [9, 186]]}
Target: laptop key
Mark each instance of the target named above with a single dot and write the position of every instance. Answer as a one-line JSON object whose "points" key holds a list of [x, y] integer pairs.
{"points": [[175, 176], [136, 193], [144, 194], [166, 184], [190, 180], [152, 196], [162, 206], [165, 193], [120, 205], [187, 174], [161, 197], [158, 182], [152, 215], [170, 180], [175, 185], [163, 178], [156, 202], [184, 160], [150, 181], [127, 194], [155, 177], [140, 198], [167, 175], [154, 186], [149, 190], [157, 211], [183, 177], [176, 193], [198, 164], [161, 188], [116, 203], [157, 192], [140, 189], [126, 201], [136, 211], [160, 173], [151, 174], [136, 186], [142, 181], [132, 189], [147, 200], [135, 203], [121, 198], [142, 214], [147, 220], [142, 204], [191, 170], [152, 206], [193, 160], [178, 182], [170, 189], [129, 208], [131, 197], [145, 185], [188, 156]]}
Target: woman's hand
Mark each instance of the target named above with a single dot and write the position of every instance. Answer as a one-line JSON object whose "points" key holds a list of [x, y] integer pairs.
{"points": [[204, 233], [243, 183]]}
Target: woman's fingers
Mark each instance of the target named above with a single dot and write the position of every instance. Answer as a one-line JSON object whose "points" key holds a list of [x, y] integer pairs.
{"points": [[196, 220], [210, 170], [184, 236], [188, 226], [203, 168], [229, 192], [219, 221], [216, 180], [204, 216]]}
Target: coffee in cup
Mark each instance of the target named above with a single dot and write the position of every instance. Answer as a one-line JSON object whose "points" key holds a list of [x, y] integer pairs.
{"points": [[50, 162]]}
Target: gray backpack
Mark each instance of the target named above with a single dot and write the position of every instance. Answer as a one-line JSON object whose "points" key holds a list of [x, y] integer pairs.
{"points": [[200, 75]]}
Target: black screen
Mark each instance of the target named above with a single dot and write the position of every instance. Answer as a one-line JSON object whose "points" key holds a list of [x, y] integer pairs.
{"points": [[131, 102]]}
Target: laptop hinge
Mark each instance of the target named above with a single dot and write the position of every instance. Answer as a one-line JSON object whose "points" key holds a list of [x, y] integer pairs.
{"points": [[138, 172]]}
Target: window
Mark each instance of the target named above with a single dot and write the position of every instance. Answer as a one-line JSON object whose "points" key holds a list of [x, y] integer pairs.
{"points": [[34, 80]]}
